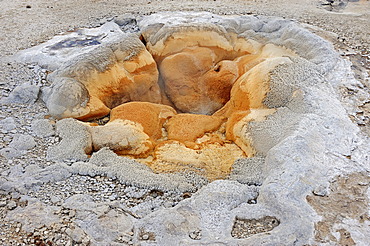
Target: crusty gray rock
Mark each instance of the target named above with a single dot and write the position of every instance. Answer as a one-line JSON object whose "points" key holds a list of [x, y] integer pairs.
{"points": [[10, 153], [18, 146], [248, 170], [76, 141], [34, 215], [23, 94], [209, 211], [42, 128], [77, 234], [97, 220], [18, 179], [62, 48], [22, 142], [8, 124]]}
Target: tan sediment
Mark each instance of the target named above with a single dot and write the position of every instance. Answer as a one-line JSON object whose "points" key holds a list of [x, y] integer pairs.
{"points": [[188, 127], [212, 160]]}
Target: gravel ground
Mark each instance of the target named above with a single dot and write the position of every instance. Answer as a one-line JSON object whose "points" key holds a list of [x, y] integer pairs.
{"points": [[245, 228], [28, 23]]}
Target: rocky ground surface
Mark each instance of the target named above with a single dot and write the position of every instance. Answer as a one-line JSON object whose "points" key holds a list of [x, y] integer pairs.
{"points": [[83, 210]]}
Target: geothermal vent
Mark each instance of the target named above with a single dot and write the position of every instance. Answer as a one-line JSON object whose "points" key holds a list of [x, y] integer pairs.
{"points": [[247, 102], [179, 97], [186, 95]]}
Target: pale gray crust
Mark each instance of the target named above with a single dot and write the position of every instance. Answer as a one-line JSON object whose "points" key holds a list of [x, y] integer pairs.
{"points": [[68, 94]]}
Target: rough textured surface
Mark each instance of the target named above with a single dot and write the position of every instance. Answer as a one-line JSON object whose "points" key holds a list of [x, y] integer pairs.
{"points": [[42, 128], [212, 159], [102, 223], [248, 171], [22, 142], [106, 162], [22, 94], [347, 192], [8, 124], [122, 136], [208, 213], [75, 144], [307, 147], [188, 127], [35, 214], [246, 228], [18, 146], [149, 115], [114, 73]]}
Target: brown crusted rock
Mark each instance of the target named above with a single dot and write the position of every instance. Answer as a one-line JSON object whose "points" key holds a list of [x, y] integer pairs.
{"points": [[251, 88], [196, 64], [195, 82], [150, 116], [122, 136], [199, 64], [131, 80], [113, 74], [189, 127]]}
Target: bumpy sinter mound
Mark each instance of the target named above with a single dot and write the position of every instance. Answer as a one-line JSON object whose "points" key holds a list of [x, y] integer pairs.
{"points": [[179, 96], [192, 92]]}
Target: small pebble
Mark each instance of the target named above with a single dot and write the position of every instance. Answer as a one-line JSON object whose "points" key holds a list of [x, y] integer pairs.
{"points": [[12, 205]]}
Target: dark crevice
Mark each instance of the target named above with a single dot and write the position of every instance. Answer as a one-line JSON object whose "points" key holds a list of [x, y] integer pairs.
{"points": [[217, 68], [142, 39]]}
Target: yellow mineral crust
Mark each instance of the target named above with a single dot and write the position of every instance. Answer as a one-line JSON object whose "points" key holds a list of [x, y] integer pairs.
{"points": [[150, 116], [251, 88], [125, 81], [213, 161], [179, 150], [188, 127]]}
